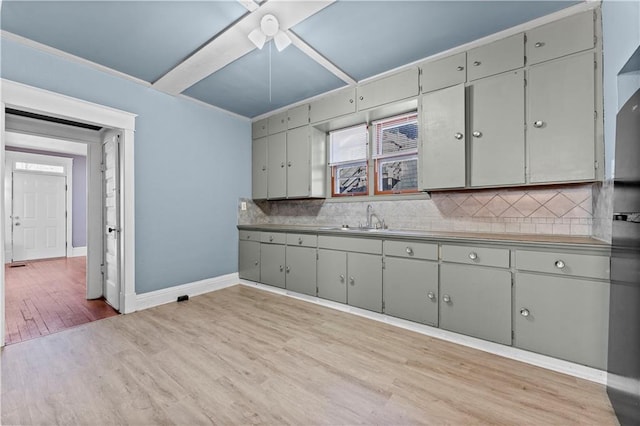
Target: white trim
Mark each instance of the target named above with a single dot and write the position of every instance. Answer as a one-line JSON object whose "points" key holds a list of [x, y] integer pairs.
{"points": [[43, 143], [549, 363], [21, 96], [78, 251], [168, 295], [3, 229], [70, 57]]}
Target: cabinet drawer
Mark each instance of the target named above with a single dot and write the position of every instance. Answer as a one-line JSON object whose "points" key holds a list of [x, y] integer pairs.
{"points": [[444, 72], [302, 240], [362, 245], [502, 55], [393, 88], [249, 235], [259, 129], [581, 265], [411, 250], [298, 116], [561, 38], [278, 123], [273, 237], [476, 255], [335, 105]]}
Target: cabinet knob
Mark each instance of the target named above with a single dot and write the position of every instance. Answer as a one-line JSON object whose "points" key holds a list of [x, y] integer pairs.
{"points": [[361, 98], [264, 168], [352, 281], [248, 237], [282, 164], [524, 312], [473, 255], [409, 251], [538, 124], [300, 240], [538, 44], [477, 134], [350, 101], [289, 164], [270, 238], [560, 264], [431, 295], [256, 263], [446, 298], [460, 68], [341, 278], [281, 268], [458, 136], [476, 63], [288, 269]]}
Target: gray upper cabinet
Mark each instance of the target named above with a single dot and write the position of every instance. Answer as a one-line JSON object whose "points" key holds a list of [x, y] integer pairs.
{"points": [[410, 289], [496, 130], [560, 38], [260, 129], [444, 72], [364, 288], [442, 153], [497, 57], [272, 264], [476, 301], [298, 116], [332, 275], [562, 317], [388, 89], [298, 161], [278, 123], [301, 269], [334, 105], [277, 166], [561, 119], [249, 260], [259, 169]]}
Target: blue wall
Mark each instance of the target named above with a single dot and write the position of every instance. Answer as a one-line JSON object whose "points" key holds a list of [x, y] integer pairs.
{"points": [[79, 197], [192, 164]]}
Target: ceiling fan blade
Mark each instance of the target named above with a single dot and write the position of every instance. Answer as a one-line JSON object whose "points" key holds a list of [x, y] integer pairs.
{"points": [[282, 40]]}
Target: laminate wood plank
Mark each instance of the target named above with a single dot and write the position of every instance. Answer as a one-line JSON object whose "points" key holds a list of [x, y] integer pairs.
{"points": [[245, 356]]}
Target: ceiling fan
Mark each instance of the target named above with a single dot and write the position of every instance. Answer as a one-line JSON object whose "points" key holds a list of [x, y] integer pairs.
{"points": [[269, 28]]}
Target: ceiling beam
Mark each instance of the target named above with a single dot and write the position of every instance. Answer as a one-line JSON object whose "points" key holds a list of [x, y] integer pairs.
{"points": [[316, 56], [249, 4], [234, 43]]}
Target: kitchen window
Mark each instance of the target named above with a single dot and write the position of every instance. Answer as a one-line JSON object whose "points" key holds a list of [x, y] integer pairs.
{"points": [[395, 143], [348, 161]]}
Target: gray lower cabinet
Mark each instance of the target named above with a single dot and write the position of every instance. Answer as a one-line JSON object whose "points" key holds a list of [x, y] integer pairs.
{"points": [[332, 275], [562, 317], [410, 289], [301, 270], [476, 301], [249, 260], [272, 264], [365, 281]]}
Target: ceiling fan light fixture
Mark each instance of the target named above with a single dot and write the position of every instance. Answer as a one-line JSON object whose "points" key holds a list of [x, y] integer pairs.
{"points": [[269, 25], [282, 40], [257, 37]]}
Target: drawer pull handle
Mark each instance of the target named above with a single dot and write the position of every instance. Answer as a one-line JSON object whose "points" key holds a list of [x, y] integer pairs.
{"points": [[524, 312], [409, 251], [288, 269], [352, 281], [560, 264], [446, 298], [300, 240], [539, 44], [431, 295], [341, 278], [281, 268], [473, 255]]}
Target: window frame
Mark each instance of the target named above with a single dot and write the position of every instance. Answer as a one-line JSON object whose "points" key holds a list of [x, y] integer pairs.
{"points": [[335, 167]]}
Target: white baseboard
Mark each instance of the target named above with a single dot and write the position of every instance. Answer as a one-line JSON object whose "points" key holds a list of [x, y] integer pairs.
{"points": [[78, 251], [168, 295], [550, 363]]}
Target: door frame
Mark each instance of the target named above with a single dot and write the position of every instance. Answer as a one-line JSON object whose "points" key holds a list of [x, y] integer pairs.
{"points": [[11, 156], [32, 99]]}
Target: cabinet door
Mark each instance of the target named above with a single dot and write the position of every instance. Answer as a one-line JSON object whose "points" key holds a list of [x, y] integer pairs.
{"points": [[493, 58], [444, 72], [476, 301], [562, 317], [298, 116], [272, 264], [365, 281], [278, 123], [561, 38], [442, 155], [301, 270], [389, 89], [259, 129], [335, 105], [560, 120], [332, 275], [259, 169], [496, 129], [276, 166], [411, 290], [249, 260], [298, 162]]}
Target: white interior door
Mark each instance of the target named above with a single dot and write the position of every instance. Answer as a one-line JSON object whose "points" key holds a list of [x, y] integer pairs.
{"points": [[111, 219], [39, 216]]}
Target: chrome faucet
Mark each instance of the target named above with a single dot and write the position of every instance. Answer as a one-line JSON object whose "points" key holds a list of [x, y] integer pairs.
{"points": [[370, 216]]}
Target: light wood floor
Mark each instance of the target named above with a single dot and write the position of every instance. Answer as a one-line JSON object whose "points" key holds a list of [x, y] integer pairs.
{"points": [[47, 296], [245, 356]]}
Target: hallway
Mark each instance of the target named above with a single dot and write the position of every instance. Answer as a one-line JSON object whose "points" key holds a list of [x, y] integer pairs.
{"points": [[47, 296]]}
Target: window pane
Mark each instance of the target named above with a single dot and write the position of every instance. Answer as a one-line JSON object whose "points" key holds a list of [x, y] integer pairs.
{"points": [[34, 167], [396, 135], [399, 174], [351, 179], [348, 144]]}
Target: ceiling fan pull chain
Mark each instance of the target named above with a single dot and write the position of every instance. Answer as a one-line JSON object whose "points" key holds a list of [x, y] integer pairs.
{"points": [[270, 72]]}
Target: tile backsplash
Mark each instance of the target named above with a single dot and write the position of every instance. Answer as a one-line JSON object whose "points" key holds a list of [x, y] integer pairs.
{"points": [[555, 210]]}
